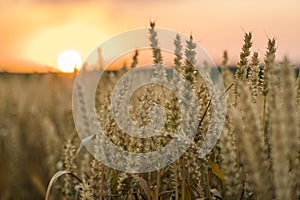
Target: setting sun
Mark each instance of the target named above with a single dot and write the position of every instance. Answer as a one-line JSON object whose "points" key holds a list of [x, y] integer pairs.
{"points": [[67, 61]]}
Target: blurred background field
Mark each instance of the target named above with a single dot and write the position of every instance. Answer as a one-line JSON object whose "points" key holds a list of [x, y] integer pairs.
{"points": [[36, 119], [257, 157]]}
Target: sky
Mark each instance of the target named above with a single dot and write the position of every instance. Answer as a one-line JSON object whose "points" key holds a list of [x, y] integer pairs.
{"points": [[34, 32]]}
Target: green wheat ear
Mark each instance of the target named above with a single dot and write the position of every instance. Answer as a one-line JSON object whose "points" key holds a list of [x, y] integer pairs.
{"points": [[270, 85], [268, 65], [157, 56], [253, 80], [71, 167], [190, 62], [230, 162], [241, 69], [85, 191], [226, 74]]}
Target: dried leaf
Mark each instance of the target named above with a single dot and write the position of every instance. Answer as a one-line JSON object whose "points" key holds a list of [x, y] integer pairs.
{"points": [[38, 183], [143, 183], [216, 170], [55, 178]]}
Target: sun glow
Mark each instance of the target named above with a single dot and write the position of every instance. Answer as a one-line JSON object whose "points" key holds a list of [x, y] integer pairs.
{"points": [[67, 61], [45, 45]]}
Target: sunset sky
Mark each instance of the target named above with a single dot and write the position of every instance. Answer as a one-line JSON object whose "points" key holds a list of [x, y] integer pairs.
{"points": [[34, 32]]}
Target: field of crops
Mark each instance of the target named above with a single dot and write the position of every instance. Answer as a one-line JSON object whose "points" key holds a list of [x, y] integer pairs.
{"points": [[256, 156]]}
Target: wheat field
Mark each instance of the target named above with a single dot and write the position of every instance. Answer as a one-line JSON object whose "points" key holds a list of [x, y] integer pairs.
{"points": [[256, 156]]}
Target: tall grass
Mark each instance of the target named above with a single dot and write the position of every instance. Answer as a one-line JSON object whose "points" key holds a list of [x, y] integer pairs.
{"points": [[256, 157]]}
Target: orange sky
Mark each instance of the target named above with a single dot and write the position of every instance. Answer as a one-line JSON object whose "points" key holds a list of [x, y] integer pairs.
{"points": [[36, 31]]}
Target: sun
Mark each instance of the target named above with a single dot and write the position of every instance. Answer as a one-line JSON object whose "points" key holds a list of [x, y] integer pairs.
{"points": [[67, 61]]}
